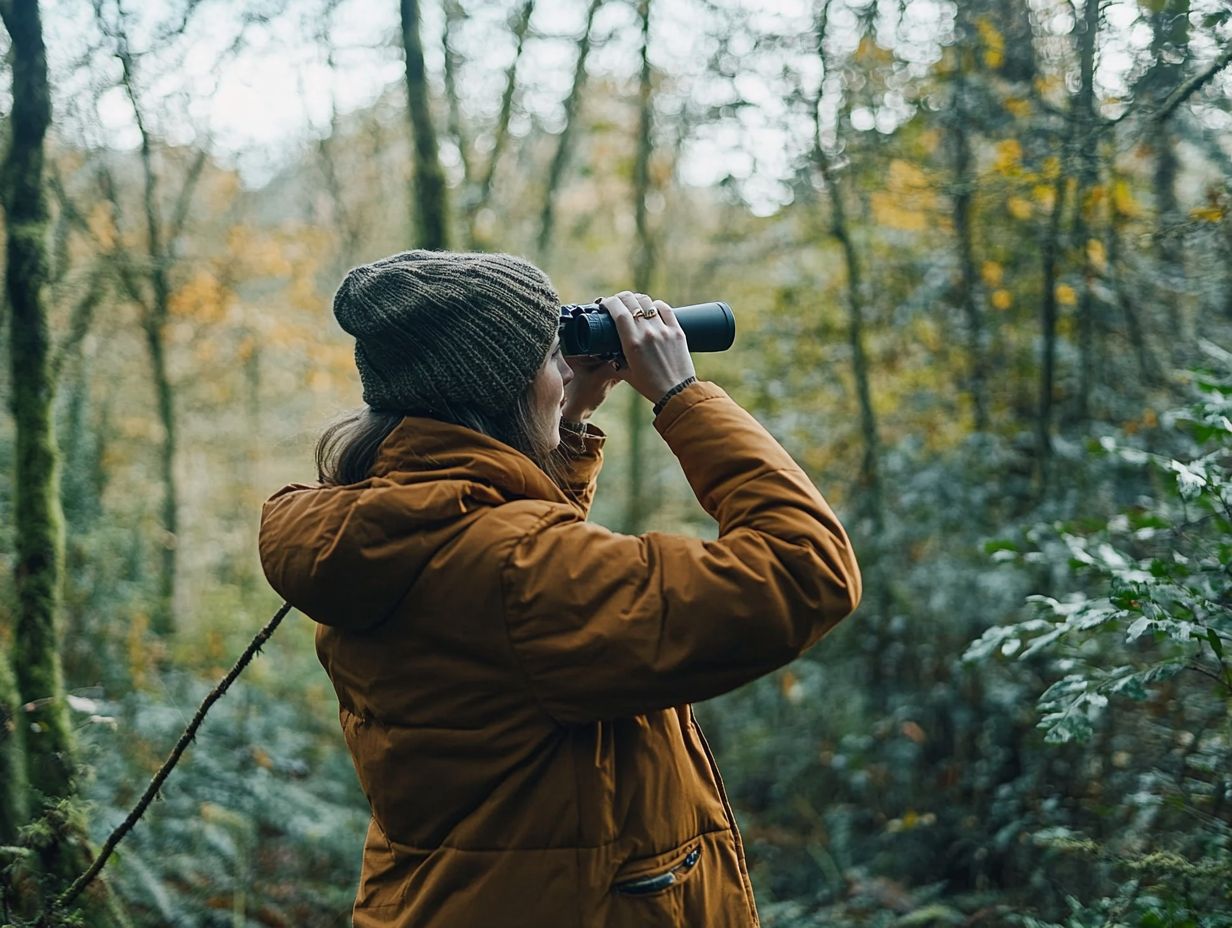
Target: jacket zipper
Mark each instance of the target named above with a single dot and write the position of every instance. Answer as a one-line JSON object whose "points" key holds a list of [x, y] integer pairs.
{"points": [[643, 886], [731, 817]]}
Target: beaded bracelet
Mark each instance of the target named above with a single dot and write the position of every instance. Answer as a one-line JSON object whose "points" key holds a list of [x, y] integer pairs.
{"points": [[658, 407]]}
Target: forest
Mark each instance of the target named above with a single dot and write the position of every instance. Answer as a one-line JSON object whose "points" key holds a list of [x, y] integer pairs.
{"points": [[980, 258]]}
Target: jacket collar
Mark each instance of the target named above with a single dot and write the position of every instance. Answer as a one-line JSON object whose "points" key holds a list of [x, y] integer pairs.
{"points": [[421, 450]]}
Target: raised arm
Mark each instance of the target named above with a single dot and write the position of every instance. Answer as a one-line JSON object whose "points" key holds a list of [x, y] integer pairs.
{"points": [[608, 625]]}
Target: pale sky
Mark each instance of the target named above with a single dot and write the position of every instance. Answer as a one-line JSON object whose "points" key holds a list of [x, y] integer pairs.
{"points": [[276, 92]]}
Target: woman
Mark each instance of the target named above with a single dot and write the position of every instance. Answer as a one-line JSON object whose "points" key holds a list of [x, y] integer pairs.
{"points": [[514, 682]]}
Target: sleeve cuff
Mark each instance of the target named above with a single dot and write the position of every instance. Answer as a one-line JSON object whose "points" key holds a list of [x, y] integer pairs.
{"points": [[578, 443], [682, 402]]}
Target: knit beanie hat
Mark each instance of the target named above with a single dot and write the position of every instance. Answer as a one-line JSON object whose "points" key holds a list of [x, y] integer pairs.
{"points": [[436, 330]]}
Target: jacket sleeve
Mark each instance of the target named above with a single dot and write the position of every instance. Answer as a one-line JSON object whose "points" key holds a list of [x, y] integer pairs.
{"points": [[609, 626], [580, 458]]}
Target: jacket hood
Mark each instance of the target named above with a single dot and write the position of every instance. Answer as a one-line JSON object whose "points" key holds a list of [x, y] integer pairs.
{"points": [[346, 556]]}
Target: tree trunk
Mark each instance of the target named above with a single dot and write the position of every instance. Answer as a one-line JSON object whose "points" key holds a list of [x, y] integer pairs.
{"points": [[454, 16], [869, 500], [964, 185], [638, 493], [1088, 177], [1169, 36], [870, 479], [429, 207], [1013, 18], [162, 622], [38, 519], [14, 798], [155, 312], [1051, 254], [564, 143], [520, 27], [60, 846]]}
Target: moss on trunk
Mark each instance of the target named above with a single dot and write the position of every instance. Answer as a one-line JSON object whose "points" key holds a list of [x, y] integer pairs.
{"points": [[60, 849]]}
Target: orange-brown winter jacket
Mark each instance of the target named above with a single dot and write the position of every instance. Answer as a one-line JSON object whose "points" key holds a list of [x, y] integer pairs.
{"points": [[515, 681]]}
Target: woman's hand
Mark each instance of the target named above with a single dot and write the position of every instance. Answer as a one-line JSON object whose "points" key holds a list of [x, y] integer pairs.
{"points": [[655, 349], [592, 381]]}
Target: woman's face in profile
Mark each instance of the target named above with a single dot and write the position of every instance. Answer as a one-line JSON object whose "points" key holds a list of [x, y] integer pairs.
{"points": [[548, 393]]}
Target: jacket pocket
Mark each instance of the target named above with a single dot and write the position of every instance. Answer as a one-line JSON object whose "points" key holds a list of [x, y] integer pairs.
{"points": [[658, 874]]}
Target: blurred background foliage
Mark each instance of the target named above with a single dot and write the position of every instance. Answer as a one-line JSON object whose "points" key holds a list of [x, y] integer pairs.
{"points": [[980, 255]]}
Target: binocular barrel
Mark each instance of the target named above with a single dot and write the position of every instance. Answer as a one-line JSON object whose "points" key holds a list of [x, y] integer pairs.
{"points": [[589, 330]]}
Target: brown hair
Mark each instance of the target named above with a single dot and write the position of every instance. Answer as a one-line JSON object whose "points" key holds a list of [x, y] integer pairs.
{"points": [[347, 450]]}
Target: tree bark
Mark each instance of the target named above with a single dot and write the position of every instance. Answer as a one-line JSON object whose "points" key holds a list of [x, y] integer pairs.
{"points": [[429, 201], [38, 519], [14, 796], [520, 26], [638, 492], [564, 143]]}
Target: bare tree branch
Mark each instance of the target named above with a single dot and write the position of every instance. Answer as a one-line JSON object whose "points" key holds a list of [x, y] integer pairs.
{"points": [[179, 212], [1193, 85], [80, 319], [254, 647]]}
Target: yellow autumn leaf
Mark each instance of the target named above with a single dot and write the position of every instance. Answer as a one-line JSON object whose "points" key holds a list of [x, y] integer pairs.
{"points": [[1019, 208], [993, 42], [1017, 107], [1002, 300], [992, 273], [1123, 199], [1009, 156], [1207, 213], [1044, 195], [1066, 295], [1097, 255]]}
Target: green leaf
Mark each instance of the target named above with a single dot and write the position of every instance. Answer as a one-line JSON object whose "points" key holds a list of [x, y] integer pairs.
{"points": [[1216, 644]]}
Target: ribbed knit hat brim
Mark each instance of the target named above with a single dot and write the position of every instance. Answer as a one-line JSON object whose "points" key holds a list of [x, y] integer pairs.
{"points": [[438, 331]]}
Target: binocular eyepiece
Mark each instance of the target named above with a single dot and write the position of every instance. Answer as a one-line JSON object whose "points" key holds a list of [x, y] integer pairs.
{"points": [[587, 329]]}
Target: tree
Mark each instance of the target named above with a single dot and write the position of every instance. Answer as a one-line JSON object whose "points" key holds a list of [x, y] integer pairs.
{"points": [[521, 24], [58, 843], [963, 197], [643, 269], [565, 141], [429, 201], [148, 284]]}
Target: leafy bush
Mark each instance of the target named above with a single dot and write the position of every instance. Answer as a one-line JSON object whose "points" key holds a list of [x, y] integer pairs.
{"points": [[1144, 683]]}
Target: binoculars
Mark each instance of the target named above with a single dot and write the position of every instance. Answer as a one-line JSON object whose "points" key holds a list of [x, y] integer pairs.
{"points": [[587, 329]]}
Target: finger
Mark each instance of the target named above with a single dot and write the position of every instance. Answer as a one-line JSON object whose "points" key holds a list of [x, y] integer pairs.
{"points": [[645, 304], [667, 314], [629, 299], [626, 325]]}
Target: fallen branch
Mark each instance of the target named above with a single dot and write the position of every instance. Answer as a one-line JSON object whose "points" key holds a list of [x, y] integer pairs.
{"points": [[172, 759]]}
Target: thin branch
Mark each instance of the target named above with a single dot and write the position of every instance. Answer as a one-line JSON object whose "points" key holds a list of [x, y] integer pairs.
{"points": [[79, 323], [1193, 85], [173, 758], [179, 213]]}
